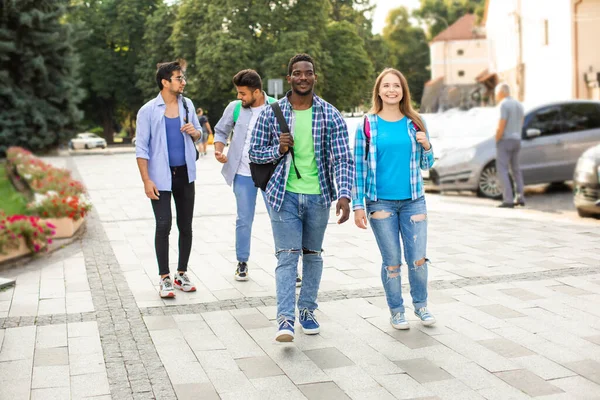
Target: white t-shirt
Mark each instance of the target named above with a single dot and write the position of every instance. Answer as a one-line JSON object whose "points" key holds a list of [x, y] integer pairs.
{"points": [[244, 168]]}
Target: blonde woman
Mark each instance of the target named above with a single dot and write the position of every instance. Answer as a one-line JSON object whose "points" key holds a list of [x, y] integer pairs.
{"points": [[391, 148]]}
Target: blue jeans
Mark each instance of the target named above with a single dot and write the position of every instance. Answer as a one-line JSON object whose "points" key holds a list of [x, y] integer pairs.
{"points": [[298, 228], [406, 219], [245, 199]]}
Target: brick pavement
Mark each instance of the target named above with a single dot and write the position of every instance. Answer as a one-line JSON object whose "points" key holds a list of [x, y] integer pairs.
{"points": [[515, 292]]}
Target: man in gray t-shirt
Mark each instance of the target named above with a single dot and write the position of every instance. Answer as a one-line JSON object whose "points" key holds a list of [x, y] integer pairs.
{"points": [[508, 145]]}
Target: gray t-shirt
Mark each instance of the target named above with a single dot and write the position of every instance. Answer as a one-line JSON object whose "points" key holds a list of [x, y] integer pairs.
{"points": [[512, 111]]}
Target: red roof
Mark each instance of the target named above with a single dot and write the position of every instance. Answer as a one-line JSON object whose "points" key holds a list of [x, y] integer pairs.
{"points": [[462, 29]]}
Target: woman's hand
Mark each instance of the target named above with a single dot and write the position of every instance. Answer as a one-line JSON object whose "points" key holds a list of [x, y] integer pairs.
{"points": [[360, 218], [423, 141]]}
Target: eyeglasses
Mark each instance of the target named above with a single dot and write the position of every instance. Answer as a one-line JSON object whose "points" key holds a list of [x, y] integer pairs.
{"points": [[179, 78]]}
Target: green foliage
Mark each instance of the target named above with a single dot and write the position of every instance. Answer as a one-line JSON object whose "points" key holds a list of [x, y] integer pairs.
{"points": [[40, 89], [439, 14], [11, 201], [349, 77], [112, 34]]}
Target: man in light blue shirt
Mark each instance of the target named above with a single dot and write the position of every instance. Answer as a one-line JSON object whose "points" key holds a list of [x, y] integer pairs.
{"points": [[166, 133]]}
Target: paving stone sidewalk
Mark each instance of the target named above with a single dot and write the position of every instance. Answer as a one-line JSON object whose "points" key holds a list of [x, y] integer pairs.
{"points": [[516, 295]]}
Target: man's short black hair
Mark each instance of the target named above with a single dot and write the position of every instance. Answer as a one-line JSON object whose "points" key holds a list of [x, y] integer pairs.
{"points": [[165, 71], [298, 58], [248, 78]]}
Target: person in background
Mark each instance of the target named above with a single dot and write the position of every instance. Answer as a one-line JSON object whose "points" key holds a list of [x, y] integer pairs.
{"points": [[206, 131], [508, 146]]}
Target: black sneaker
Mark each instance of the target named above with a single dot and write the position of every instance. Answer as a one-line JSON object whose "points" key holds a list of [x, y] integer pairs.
{"points": [[241, 272], [506, 205], [298, 280]]}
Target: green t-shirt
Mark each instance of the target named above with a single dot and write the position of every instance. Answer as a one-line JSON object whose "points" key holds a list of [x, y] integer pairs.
{"points": [[304, 153]]}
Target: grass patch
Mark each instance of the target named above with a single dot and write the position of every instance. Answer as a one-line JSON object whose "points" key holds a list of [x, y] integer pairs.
{"points": [[11, 201]]}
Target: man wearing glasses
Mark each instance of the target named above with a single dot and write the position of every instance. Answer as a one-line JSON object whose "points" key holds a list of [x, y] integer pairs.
{"points": [[166, 156]]}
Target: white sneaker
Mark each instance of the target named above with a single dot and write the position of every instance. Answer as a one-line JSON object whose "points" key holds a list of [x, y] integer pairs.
{"points": [[166, 288], [182, 282]]}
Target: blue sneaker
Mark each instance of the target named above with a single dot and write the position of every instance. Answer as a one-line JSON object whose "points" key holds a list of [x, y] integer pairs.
{"points": [[399, 322], [310, 326], [426, 318], [286, 329]]}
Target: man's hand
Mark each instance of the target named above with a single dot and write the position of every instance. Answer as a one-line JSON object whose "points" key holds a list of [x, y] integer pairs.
{"points": [[151, 190], [343, 204], [423, 141], [360, 219], [222, 158], [190, 130], [285, 141]]}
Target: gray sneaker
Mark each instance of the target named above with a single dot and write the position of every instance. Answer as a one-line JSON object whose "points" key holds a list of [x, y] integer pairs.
{"points": [[166, 288]]}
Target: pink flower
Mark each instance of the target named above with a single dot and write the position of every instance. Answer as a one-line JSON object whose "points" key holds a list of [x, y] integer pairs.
{"points": [[49, 241], [36, 247], [49, 225]]}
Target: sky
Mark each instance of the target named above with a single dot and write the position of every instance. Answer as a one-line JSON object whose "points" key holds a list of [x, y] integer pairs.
{"points": [[384, 6]]}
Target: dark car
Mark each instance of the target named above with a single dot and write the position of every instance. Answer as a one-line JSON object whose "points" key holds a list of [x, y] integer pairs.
{"points": [[586, 183]]}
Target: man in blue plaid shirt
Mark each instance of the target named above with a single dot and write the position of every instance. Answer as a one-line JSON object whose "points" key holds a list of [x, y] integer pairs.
{"points": [[300, 200]]}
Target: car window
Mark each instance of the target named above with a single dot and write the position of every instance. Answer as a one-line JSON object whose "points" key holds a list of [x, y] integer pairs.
{"points": [[547, 120], [581, 116]]}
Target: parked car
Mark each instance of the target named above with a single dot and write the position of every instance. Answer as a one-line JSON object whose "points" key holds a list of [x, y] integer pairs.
{"points": [[133, 141], [87, 141], [586, 181], [554, 136]]}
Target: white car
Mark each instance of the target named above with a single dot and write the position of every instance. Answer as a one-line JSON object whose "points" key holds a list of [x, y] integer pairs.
{"points": [[87, 141]]}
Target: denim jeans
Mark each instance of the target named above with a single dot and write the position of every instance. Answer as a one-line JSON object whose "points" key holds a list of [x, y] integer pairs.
{"points": [[184, 193], [298, 228], [406, 219], [245, 199]]}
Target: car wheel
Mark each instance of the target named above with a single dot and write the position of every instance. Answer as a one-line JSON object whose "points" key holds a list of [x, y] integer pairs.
{"points": [[87, 147], [71, 146], [489, 185], [584, 214], [103, 147]]}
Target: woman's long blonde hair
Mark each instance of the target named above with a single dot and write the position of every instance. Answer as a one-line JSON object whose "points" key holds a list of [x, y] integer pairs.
{"points": [[405, 103]]}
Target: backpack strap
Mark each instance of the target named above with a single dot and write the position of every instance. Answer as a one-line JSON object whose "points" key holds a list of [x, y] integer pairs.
{"points": [[236, 111], [284, 129], [367, 132]]}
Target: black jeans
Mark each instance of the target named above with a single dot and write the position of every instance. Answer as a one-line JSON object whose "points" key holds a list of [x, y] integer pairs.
{"points": [[184, 194]]}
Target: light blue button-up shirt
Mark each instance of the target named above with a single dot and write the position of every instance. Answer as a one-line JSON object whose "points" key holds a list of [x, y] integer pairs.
{"points": [[151, 141]]}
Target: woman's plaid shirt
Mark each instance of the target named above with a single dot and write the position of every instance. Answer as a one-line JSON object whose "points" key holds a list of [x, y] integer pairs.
{"points": [[365, 184], [332, 152]]}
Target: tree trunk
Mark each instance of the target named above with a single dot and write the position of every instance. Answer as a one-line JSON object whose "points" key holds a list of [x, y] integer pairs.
{"points": [[107, 112]]}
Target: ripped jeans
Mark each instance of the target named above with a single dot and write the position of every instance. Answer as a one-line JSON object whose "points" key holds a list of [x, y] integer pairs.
{"points": [[298, 228], [390, 221]]}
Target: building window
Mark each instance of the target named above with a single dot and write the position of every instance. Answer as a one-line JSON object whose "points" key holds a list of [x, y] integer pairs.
{"points": [[461, 73], [460, 52], [545, 37]]}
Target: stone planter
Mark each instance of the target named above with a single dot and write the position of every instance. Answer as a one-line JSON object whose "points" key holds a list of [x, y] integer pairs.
{"points": [[65, 227], [14, 253]]}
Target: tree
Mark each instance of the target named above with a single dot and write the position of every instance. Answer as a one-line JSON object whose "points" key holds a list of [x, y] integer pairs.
{"points": [[156, 48], [440, 14], [409, 50], [349, 76], [38, 68], [112, 34]]}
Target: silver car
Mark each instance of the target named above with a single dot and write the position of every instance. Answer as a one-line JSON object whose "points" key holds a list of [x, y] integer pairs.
{"points": [[554, 136], [586, 181]]}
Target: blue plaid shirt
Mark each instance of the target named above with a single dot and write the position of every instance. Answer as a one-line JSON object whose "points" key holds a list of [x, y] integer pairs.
{"points": [[365, 184], [332, 152]]}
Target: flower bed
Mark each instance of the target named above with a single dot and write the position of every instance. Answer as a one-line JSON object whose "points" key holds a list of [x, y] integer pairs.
{"points": [[20, 234], [57, 197]]}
